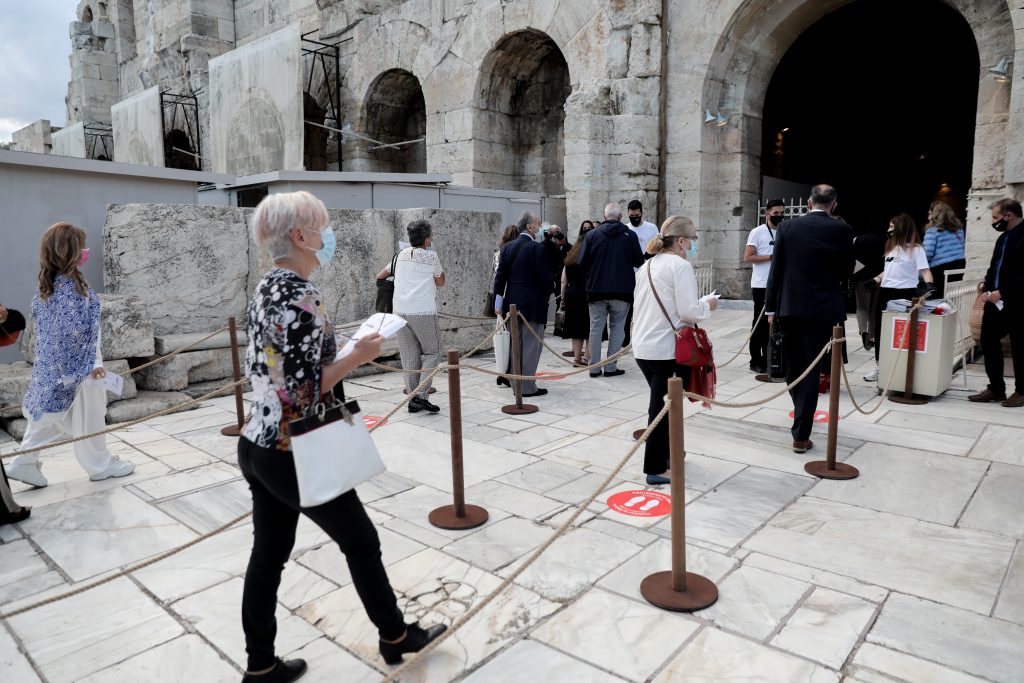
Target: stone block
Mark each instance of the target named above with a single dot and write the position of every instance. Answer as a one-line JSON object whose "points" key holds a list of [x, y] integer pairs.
{"points": [[130, 389], [174, 342], [203, 388], [186, 368], [644, 51], [14, 381], [144, 404], [16, 427], [188, 264]]}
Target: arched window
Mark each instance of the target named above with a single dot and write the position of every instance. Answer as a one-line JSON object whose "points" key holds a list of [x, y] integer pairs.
{"points": [[396, 112]]}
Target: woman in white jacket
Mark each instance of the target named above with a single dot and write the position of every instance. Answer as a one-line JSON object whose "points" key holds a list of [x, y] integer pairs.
{"points": [[654, 343]]}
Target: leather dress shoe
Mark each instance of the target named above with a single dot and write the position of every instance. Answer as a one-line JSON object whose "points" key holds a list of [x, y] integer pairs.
{"points": [[283, 672], [802, 446], [987, 396], [416, 639], [1015, 401]]}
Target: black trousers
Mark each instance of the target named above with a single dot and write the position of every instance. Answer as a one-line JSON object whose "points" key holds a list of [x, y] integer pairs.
{"points": [[657, 374], [939, 275], [759, 339], [995, 325], [803, 339], [885, 295], [275, 514]]}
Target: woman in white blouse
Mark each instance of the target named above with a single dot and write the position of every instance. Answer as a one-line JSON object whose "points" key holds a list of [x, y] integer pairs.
{"points": [[654, 342]]}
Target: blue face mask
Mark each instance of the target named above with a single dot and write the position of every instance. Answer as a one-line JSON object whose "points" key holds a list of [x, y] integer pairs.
{"points": [[692, 251], [325, 253]]}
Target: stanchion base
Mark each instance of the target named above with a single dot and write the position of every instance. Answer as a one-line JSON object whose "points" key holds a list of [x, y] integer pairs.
{"points": [[819, 468], [700, 592], [231, 430], [444, 517], [526, 409], [638, 433], [914, 400]]}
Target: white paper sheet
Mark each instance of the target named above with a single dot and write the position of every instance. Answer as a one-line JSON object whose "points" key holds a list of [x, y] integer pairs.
{"points": [[113, 383], [387, 324]]}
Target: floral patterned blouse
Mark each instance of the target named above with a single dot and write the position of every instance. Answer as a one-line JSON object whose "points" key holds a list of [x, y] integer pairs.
{"points": [[290, 339]]}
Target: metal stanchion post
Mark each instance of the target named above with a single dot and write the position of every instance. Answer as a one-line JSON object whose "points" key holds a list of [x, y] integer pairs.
{"points": [[459, 515], [518, 408], [829, 468], [908, 397], [678, 590], [235, 429]]}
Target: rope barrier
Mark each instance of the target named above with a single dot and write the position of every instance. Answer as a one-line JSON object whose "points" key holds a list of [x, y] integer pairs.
{"points": [[892, 374], [743, 346]]}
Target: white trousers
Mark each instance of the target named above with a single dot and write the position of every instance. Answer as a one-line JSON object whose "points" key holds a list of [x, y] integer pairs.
{"points": [[86, 415]]}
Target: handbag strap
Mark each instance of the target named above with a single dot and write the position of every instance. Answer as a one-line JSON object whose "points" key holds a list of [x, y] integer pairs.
{"points": [[657, 298], [394, 264]]}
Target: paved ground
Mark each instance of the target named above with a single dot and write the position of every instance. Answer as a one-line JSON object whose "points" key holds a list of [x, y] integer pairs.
{"points": [[913, 572]]}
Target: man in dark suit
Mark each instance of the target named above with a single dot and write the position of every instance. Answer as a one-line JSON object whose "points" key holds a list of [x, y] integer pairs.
{"points": [[813, 256], [524, 279]]}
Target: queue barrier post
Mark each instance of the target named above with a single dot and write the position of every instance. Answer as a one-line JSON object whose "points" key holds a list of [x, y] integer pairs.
{"points": [[829, 468], [236, 369], [518, 408]]}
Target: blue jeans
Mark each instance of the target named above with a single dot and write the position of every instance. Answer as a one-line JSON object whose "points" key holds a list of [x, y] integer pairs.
{"points": [[614, 312]]}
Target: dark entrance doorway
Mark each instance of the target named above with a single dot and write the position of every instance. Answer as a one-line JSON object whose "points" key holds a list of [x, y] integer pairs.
{"points": [[877, 98]]}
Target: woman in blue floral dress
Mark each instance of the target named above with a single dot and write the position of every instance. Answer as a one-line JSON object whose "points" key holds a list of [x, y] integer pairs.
{"points": [[65, 397]]}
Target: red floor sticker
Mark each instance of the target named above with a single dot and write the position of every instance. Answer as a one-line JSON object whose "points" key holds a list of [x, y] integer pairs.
{"points": [[820, 416], [372, 421], [553, 375], [641, 503]]}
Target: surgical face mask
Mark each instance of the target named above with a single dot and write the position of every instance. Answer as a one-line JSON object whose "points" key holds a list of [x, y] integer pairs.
{"points": [[1000, 225], [775, 220], [691, 252], [635, 221], [85, 257], [325, 253]]}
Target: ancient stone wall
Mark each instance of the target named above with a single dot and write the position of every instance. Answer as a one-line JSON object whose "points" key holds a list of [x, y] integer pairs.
{"points": [[138, 130]]}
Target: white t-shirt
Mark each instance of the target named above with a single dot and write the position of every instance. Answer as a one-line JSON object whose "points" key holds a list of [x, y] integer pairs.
{"points": [[645, 232], [762, 238], [902, 267], [415, 291]]}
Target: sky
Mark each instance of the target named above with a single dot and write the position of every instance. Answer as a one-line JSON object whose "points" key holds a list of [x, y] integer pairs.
{"points": [[34, 71]]}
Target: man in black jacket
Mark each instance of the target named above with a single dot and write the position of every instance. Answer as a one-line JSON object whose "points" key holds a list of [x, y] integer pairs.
{"points": [[1004, 306], [524, 279], [813, 256], [608, 256]]}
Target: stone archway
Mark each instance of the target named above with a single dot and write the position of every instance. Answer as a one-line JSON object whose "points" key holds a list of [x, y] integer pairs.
{"points": [[314, 138], [395, 112], [518, 127], [755, 37]]}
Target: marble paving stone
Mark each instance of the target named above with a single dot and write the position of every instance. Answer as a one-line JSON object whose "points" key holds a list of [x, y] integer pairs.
{"points": [[953, 426], [734, 510], [220, 418], [529, 660], [416, 504], [204, 411], [300, 585], [923, 485], [577, 490], [826, 627], [614, 633], [511, 424], [558, 519], [328, 663], [979, 645], [383, 485], [621, 531], [9, 533], [600, 450], [521, 503], [753, 602], [328, 560], [23, 572], [818, 577], [965, 568], [110, 623], [416, 532], [555, 446], [589, 423], [14, 666], [67, 481], [139, 434], [91, 534], [534, 437], [1000, 444], [214, 613], [573, 563], [704, 473], [996, 505], [496, 545], [905, 667], [209, 508], [481, 433], [211, 441], [717, 656], [541, 476], [187, 658], [433, 587], [189, 480], [1011, 599], [176, 454]]}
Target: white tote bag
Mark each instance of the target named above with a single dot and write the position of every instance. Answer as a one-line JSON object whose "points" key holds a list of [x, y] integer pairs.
{"points": [[502, 347], [333, 453]]}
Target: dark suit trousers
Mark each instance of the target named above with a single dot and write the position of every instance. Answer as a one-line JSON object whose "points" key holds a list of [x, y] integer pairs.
{"points": [[759, 337], [995, 325], [803, 339]]}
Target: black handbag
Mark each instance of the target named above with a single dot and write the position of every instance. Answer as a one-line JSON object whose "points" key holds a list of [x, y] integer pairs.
{"points": [[489, 300], [385, 302]]}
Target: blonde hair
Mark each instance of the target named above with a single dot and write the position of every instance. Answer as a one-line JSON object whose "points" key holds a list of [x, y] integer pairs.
{"points": [[672, 229], [276, 216], [942, 216], [60, 252]]}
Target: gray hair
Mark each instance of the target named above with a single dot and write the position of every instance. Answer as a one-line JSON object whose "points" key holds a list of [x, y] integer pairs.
{"points": [[1007, 205], [525, 221], [276, 216], [418, 232], [823, 195], [613, 211]]}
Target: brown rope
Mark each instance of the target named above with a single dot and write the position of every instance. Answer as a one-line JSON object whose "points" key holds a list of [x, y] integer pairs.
{"points": [[747, 340], [172, 354]]}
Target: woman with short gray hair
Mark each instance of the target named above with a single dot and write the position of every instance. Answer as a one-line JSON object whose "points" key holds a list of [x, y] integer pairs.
{"points": [[290, 360], [418, 274]]}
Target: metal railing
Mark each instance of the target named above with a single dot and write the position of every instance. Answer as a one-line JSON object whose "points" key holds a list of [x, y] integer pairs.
{"points": [[705, 274], [961, 294]]}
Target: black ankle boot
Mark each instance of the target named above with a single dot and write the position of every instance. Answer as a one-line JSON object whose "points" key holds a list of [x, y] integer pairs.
{"points": [[283, 672], [503, 382], [415, 640]]}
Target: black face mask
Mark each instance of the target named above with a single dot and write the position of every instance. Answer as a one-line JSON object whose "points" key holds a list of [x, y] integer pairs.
{"points": [[635, 221], [774, 221], [1000, 225]]}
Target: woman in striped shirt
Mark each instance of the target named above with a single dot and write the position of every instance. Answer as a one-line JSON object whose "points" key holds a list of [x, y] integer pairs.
{"points": [[944, 244]]}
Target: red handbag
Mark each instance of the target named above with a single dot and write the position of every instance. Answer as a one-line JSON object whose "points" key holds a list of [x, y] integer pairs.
{"points": [[693, 348]]}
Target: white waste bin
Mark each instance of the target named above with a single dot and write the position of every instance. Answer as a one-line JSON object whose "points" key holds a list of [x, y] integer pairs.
{"points": [[933, 362]]}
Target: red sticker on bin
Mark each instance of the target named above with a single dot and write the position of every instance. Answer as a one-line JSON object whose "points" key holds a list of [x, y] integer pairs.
{"points": [[641, 503], [372, 421], [820, 416]]}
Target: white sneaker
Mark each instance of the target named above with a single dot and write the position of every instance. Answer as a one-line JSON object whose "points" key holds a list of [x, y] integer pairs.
{"points": [[872, 376], [29, 473], [116, 468]]}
